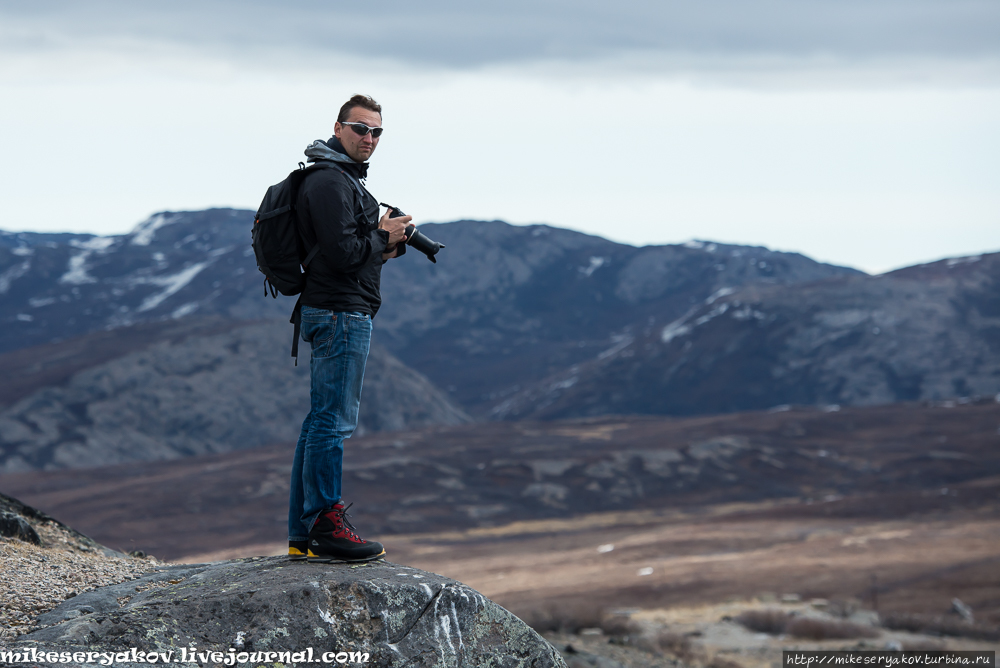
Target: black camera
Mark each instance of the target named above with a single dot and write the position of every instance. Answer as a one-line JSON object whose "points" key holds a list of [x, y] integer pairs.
{"points": [[414, 238]]}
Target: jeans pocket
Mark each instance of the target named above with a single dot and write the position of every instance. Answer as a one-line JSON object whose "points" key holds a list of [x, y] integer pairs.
{"points": [[319, 332], [357, 323], [310, 314]]}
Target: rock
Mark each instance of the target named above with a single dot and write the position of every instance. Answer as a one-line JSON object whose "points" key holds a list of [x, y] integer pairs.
{"points": [[964, 611], [15, 526], [399, 616], [25, 516]]}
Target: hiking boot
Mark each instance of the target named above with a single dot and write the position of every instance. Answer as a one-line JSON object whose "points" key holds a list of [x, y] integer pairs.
{"points": [[334, 538], [297, 549]]}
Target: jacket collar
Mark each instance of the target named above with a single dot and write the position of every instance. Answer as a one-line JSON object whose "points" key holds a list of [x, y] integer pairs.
{"points": [[332, 150]]}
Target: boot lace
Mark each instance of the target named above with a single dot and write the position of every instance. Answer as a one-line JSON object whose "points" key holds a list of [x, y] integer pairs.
{"points": [[349, 528]]}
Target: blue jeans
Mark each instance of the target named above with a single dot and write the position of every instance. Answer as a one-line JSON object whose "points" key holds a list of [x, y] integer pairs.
{"points": [[336, 367]]}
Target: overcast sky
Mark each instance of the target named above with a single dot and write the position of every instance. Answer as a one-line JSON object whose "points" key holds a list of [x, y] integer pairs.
{"points": [[863, 133]]}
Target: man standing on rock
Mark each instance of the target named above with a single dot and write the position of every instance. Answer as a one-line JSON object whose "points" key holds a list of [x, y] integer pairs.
{"points": [[340, 298]]}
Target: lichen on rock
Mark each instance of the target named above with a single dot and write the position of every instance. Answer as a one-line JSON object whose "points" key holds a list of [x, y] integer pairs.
{"points": [[396, 615]]}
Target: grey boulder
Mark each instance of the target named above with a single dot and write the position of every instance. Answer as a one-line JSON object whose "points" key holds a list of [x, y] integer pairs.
{"points": [[316, 613]]}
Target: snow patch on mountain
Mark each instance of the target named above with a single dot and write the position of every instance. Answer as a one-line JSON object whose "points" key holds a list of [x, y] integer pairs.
{"points": [[621, 342], [676, 328], [12, 274], [94, 243], [76, 271], [144, 232], [719, 294], [707, 246], [595, 264], [955, 261], [714, 313], [186, 309], [172, 284]]}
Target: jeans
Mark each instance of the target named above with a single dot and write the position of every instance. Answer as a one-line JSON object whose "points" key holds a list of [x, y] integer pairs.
{"points": [[336, 367]]}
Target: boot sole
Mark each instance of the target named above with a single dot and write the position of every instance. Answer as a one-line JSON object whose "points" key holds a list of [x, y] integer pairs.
{"points": [[316, 559]]}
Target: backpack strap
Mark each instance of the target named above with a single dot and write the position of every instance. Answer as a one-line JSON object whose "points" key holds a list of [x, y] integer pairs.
{"points": [[296, 318], [357, 186], [297, 312]]}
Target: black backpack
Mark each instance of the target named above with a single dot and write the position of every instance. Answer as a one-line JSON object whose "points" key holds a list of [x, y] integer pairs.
{"points": [[277, 243]]}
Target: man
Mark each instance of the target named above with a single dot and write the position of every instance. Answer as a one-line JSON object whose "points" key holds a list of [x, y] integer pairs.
{"points": [[340, 298]]}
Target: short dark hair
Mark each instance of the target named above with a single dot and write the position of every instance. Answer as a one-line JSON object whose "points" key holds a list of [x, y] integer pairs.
{"points": [[364, 101]]}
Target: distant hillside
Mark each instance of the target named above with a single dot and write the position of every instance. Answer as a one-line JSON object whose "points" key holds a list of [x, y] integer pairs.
{"points": [[507, 306], [181, 388], [496, 288], [881, 462], [504, 308], [57, 286], [929, 332], [160, 343]]}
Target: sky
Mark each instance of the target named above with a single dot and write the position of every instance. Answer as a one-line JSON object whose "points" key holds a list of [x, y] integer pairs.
{"points": [[864, 133]]}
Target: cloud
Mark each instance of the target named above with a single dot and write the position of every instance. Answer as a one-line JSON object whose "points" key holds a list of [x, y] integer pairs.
{"points": [[461, 35]]}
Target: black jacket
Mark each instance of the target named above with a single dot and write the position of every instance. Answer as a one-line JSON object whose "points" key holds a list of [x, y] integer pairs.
{"points": [[345, 274]]}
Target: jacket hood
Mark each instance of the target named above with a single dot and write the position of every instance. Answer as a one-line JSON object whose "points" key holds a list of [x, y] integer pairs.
{"points": [[332, 150], [319, 150]]}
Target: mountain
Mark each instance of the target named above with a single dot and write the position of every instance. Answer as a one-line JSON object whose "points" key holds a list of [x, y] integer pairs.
{"points": [[173, 265], [504, 307], [930, 332], [181, 388]]}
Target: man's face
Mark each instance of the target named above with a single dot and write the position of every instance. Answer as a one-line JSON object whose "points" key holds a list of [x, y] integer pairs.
{"points": [[358, 148]]}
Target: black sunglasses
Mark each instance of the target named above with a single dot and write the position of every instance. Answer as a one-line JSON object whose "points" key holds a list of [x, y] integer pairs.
{"points": [[361, 129]]}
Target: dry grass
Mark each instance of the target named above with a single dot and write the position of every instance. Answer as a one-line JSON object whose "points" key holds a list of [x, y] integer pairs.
{"points": [[811, 628], [777, 622], [923, 646], [569, 618], [719, 662], [772, 622], [698, 562], [675, 644], [940, 626]]}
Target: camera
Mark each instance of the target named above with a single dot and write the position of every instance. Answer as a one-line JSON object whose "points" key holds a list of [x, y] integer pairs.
{"points": [[414, 238]]}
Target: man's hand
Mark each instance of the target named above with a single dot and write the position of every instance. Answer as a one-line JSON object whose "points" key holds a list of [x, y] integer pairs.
{"points": [[391, 254], [394, 226]]}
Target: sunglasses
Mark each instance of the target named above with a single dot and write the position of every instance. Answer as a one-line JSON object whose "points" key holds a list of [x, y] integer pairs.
{"points": [[361, 129]]}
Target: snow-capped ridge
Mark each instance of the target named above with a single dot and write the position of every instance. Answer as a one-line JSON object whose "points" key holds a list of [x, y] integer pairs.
{"points": [[144, 232]]}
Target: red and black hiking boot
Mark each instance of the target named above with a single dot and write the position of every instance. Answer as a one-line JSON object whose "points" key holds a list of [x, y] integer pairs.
{"points": [[333, 538], [297, 549]]}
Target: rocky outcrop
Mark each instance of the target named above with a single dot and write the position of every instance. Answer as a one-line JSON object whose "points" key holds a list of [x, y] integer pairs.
{"points": [[225, 386], [22, 522], [265, 610], [13, 525]]}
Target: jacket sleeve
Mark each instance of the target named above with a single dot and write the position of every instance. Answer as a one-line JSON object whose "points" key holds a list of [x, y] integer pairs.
{"points": [[331, 208]]}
